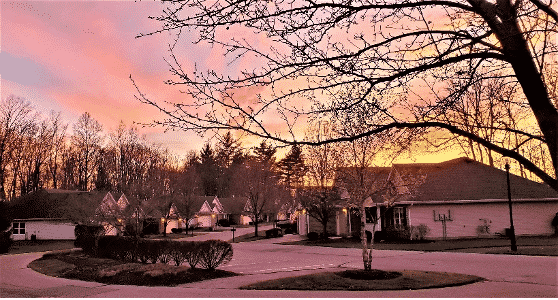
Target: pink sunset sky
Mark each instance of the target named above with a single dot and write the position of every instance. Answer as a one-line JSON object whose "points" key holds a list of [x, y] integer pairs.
{"points": [[76, 57]]}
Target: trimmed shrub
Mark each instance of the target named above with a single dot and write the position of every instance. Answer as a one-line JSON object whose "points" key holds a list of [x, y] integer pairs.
{"points": [[120, 248], [176, 230], [313, 236], [224, 223], [165, 251], [149, 251], [419, 232], [179, 252], [214, 253], [87, 237], [396, 234], [274, 232], [208, 254], [154, 251], [5, 241], [193, 254]]}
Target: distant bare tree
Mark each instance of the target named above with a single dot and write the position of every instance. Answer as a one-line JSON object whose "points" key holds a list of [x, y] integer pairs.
{"points": [[257, 180], [88, 141], [16, 119]]}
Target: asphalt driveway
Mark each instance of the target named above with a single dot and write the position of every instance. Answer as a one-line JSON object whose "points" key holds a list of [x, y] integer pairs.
{"points": [[507, 275]]}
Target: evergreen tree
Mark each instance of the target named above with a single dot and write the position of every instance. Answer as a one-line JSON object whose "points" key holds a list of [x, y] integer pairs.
{"points": [[208, 171], [228, 157], [292, 168]]}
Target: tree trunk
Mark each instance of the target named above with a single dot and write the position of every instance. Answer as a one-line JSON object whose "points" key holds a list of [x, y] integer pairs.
{"points": [[255, 226], [366, 247]]}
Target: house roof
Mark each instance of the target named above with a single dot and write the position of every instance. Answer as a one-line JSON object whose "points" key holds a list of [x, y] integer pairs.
{"points": [[211, 204], [56, 204], [461, 179], [233, 205], [465, 179]]}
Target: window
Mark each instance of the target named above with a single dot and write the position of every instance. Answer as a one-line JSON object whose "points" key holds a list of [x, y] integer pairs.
{"points": [[399, 221], [370, 214], [19, 228]]}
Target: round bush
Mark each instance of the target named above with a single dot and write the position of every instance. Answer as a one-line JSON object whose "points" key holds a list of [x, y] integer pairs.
{"points": [[214, 253]]}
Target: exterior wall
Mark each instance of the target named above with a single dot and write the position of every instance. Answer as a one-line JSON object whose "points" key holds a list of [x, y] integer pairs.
{"points": [[206, 221], [342, 222], [529, 218], [245, 220], [172, 223], [47, 230], [302, 222], [308, 224], [316, 226]]}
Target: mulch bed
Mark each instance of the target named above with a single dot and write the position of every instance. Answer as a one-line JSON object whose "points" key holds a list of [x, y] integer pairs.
{"points": [[360, 280], [77, 265]]}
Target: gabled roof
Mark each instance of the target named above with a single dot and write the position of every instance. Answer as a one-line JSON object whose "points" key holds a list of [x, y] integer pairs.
{"points": [[233, 205], [173, 211], [460, 179], [217, 206], [465, 179], [123, 202], [56, 204], [108, 206], [206, 208]]}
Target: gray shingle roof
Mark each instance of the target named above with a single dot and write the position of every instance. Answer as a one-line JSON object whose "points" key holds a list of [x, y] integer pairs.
{"points": [[465, 179], [462, 179]]}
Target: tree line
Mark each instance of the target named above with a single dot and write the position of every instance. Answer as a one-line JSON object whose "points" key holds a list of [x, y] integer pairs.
{"points": [[39, 151]]}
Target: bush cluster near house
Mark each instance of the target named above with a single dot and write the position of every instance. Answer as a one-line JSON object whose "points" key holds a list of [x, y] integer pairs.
{"points": [[5, 228], [5, 241], [207, 254]]}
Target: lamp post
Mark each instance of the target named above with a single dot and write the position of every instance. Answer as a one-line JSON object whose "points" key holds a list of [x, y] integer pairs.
{"points": [[512, 230]]}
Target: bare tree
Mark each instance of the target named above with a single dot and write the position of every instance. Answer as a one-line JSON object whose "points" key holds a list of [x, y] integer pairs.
{"points": [[56, 147], [321, 161], [16, 120], [257, 180], [321, 203], [88, 140], [300, 54]]}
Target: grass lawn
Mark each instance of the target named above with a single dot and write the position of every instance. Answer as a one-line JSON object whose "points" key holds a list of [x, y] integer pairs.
{"points": [[360, 280], [19, 247], [249, 237], [76, 265], [527, 245]]}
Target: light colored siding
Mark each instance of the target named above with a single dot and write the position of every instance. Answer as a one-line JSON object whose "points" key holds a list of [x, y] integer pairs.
{"points": [[342, 221], [173, 224], [47, 230], [245, 220], [316, 226], [302, 221], [205, 221], [530, 218]]}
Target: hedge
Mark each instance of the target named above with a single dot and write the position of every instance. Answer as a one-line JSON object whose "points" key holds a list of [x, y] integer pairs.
{"points": [[209, 254]]}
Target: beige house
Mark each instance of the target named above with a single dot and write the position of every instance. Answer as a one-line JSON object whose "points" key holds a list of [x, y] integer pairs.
{"points": [[460, 198]]}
